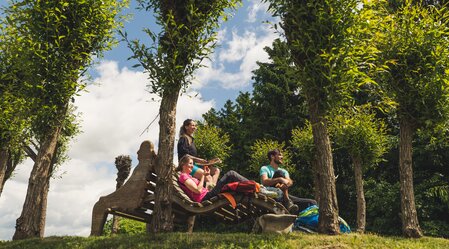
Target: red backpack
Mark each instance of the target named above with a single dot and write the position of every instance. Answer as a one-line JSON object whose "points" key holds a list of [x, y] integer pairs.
{"points": [[242, 187], [248, 186]]}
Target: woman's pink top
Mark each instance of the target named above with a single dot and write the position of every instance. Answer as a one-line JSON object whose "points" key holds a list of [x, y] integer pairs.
{"points": [[194, 196]]}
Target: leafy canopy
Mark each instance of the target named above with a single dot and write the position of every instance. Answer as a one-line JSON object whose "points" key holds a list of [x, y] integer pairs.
{"points": [[212, 142], [360, 133], [323, 47], [415, 48], [186, 38], [60, 39]]}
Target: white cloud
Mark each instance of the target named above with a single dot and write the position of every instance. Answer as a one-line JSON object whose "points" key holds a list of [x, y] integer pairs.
{"points": [[114, 114], [221, 35], [241, 52], [255, 9], [238, 46]]}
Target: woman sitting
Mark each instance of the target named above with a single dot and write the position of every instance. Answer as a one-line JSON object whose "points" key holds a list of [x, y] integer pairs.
{"points": [[186, 146], [194, 187]]}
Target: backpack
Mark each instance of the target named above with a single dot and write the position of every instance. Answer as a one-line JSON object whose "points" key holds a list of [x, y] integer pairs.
{"points": [[248, 186], [307, 221]]}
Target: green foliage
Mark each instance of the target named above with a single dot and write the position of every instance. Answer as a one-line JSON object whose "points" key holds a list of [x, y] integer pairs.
{"points": [[435, 228], [415, 49], [360, 133], [279, 105], [432, 145], [14, 106], [322, 45], [302, 142], [125, 226], [13, 119], [212, 142], [187, 37], [382, 207], [48, 45], [59, 41], [70, 129], [432, 194], [259, 152]]}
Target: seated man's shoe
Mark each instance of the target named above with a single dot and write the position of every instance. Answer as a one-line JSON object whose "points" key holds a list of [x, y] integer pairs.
{"points": [[291, 207]]}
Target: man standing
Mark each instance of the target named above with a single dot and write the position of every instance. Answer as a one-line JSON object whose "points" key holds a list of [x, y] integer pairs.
{"points": [[273, 175]]}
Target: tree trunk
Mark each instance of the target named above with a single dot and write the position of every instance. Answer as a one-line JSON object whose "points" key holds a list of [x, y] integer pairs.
{"points": [[361, 204], [328, 220], [410, 225], [31, 222], [8, 163], [162, 220], [4, 155]]}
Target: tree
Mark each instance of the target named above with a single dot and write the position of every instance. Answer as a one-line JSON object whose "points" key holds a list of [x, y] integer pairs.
{"points": [[212, 142], [14, 105], [415, 49], [325, 59], [123, 165], [279, 105], [16, 101], [187, 36], [61, 38], [364, 138], [259, 157]]}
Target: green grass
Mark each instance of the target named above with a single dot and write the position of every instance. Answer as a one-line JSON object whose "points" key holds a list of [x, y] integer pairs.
{"points": [[229, 241]]}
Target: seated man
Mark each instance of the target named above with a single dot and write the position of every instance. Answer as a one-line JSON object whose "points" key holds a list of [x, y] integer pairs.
{"points": [[273, 175]]}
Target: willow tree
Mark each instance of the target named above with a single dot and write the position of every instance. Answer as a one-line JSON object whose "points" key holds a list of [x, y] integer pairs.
{"points": [[13, 107], [415, 48], [325, 55], [364, 137], [187, 36], [61, 38]]}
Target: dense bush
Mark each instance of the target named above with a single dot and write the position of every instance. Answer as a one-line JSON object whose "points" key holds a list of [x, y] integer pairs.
{"points": [[126, 226], [383, 207]]}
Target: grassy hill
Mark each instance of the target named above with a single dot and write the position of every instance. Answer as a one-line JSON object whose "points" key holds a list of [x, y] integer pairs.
{"points": [[229, 241]]}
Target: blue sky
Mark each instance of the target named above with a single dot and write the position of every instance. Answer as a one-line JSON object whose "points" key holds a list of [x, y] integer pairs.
{"points": [[116, 109]]}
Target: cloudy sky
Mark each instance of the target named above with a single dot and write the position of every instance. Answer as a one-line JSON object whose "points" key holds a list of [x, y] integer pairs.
{"points": [[115, 111]]}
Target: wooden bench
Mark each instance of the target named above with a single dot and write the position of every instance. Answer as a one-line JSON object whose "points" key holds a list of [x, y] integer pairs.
{"points": [[135, 200]]}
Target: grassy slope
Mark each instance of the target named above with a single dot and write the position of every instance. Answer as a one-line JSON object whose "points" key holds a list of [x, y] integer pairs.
{"points": [[229, 240]]}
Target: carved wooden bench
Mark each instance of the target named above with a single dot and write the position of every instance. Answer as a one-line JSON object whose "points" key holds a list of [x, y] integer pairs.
{"points": [[135, 200]]}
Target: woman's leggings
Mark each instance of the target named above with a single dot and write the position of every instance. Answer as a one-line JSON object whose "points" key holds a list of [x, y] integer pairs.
{"points": [[230, 176]]}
